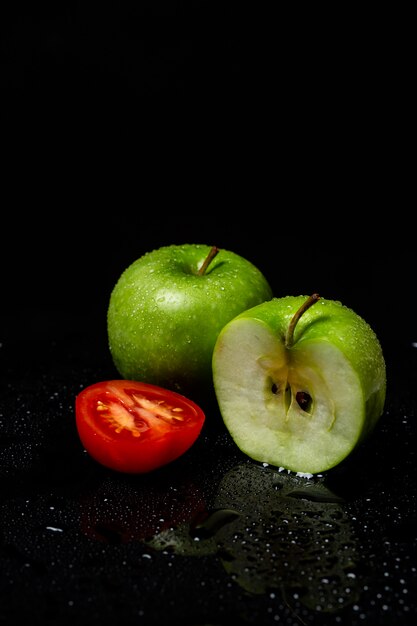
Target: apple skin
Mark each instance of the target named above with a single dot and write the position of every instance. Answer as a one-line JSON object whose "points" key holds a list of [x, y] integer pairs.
{"points": [[336, 358], [163, 318]]}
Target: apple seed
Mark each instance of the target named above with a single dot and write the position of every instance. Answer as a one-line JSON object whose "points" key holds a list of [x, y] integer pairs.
{"points": [[304, 400]]}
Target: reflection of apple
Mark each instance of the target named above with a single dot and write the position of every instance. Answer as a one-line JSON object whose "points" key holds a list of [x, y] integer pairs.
{"points": [[168, 307], [276, 533], [299, 386], [295, 536]]}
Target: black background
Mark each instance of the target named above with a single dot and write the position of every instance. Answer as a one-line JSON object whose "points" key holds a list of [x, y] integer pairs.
{"points": [[282, 136]]}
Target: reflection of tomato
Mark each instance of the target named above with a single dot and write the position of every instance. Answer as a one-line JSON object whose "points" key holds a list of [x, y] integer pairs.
{"points": [[124, 511], [135, 427]]}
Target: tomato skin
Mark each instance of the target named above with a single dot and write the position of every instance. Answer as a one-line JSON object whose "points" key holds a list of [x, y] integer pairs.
{"points": [[135, 427]]}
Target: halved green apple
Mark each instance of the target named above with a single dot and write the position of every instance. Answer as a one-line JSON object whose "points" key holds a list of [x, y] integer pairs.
{"points": [[299, 386]]}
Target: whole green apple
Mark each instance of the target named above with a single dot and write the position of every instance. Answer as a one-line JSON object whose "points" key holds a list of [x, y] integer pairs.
{"points": [[299, 386], [168, 307]]}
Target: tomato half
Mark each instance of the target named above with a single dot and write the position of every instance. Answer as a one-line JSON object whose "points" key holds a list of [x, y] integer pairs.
{"points": [[135, 427]]}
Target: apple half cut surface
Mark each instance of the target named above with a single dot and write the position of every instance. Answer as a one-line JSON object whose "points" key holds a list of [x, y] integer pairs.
{"points": [[299, 386]]}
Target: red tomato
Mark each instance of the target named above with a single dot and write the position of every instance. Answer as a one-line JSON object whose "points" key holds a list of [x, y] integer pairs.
{"points": [[135, 427]]}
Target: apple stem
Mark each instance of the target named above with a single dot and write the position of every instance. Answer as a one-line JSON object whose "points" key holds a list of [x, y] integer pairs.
{"points": [[213, 252], [289, 338]]}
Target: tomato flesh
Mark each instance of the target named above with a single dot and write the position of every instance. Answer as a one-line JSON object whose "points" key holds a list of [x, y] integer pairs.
{"points": [[135, 427]]}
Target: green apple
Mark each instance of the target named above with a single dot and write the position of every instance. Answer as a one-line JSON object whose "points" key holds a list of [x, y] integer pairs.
{"points": [[299, 386], [168, 307]]}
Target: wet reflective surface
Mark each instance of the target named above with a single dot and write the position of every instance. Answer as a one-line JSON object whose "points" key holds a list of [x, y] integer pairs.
{"points": [[212, 539]]}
